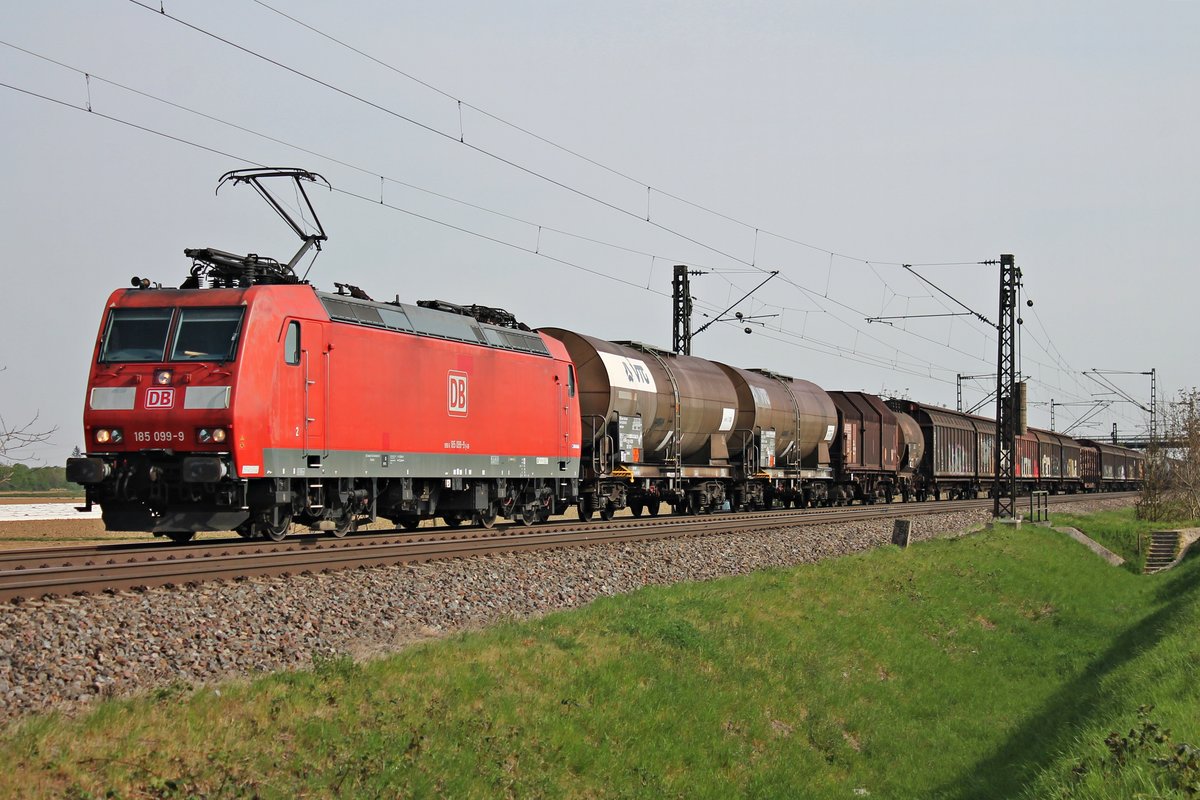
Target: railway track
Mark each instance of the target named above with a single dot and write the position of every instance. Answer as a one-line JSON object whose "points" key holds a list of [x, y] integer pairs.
{"points": [[56, 571]]}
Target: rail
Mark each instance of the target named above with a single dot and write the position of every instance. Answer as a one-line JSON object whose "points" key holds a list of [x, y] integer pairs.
{"points": [[71, 570]]}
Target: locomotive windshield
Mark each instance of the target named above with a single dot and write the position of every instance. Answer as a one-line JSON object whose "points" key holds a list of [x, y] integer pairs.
{"points": [[136, 334], [207, 334], [200, 334]]}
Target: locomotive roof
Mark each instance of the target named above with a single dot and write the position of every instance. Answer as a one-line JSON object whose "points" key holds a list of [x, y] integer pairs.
{"points": [[434, 322]]}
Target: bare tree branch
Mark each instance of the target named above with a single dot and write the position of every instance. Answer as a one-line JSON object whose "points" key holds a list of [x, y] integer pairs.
{"points": [[17, 442], [1175, 474]]}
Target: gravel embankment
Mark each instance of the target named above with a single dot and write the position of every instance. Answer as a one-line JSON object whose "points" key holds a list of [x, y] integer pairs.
{"points": [[63, 653]]}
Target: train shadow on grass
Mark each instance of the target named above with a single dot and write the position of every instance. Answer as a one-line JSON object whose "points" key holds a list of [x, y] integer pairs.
{"points": [[1046, 734]]}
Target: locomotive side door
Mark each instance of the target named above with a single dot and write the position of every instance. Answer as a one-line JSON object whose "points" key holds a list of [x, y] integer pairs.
{"points": [[567, 411], [314, 360]]}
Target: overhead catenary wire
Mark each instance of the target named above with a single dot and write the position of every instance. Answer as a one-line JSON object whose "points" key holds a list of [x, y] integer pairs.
{"points": [[429, 128], [650, 189], [539, 227], [652, 256], [718, 251], [805, 342], [814, 344], [484, 151]]}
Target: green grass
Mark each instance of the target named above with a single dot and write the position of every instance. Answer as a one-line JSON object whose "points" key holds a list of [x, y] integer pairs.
{"points": [[1121, 532], [989, 666]]}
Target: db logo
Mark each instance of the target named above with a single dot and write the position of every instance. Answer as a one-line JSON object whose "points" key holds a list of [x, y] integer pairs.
{"points": [[456, 394], [160, 398]]}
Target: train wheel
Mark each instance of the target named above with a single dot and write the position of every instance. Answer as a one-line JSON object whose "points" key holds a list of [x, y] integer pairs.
{"points": [[343, 525], [410, 523], [181, 537], [452, 520], [653, 507], [528, 518], [636, 509], [585, 507], [486, 519], [607, 510], [276, 533], [246, 531]]}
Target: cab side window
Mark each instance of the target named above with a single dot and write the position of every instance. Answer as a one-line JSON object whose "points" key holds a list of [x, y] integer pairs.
{"points": [[291, 344], [570, 380]]}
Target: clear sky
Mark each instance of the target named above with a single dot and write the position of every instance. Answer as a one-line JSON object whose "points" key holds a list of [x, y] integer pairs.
{"points": [[832, 141]]}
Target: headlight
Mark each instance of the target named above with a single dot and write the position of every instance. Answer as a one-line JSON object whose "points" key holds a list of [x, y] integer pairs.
{"points": [[106, 435], [207, 435], [162, 377]]}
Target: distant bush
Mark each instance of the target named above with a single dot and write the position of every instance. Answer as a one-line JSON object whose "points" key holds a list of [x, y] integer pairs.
{"points": [[20, 478]]}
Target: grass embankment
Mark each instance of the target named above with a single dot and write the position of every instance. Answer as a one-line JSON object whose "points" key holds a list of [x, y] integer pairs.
{"points": [[1121, 532], [989, 666]]}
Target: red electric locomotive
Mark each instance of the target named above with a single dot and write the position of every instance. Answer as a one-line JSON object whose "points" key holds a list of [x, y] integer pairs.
{"points": [[258, 402]]}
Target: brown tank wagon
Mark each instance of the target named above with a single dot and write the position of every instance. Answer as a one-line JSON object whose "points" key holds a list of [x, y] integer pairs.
{"points": [[698, 435], [793, 423]]}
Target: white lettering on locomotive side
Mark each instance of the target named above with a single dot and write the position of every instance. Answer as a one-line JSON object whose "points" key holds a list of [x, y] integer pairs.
{"points": [[157, 397], [456, 393], [628, 373]]}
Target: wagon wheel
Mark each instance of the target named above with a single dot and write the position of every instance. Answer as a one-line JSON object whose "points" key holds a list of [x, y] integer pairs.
{"points": [[528, 517], [276, 533], [343, 525], [452, 520], [486, 518], [180, 537], [246, 530], [653, 507], [636, 508], [585, 507], [410, 523], [607, 509]]}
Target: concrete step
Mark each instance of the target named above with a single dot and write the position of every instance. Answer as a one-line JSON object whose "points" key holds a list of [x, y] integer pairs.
{"points": [[1164, 549]]}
